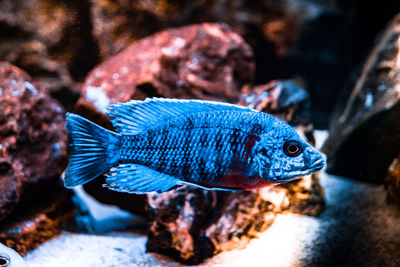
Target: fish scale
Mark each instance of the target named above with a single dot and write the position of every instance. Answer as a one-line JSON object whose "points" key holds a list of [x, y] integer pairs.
{"points": [[195, 153]]}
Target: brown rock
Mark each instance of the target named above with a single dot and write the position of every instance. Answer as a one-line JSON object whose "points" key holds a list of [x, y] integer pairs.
{"points": [[284, 99], [33, 149], [191, 224], [51, 40], [199, 61], [118, 23], [32, 225], [392, 182], [289, 39], [364, 137]]}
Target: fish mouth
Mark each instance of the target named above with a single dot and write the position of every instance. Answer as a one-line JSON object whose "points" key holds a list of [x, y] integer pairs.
{"points": [[317, 165]]}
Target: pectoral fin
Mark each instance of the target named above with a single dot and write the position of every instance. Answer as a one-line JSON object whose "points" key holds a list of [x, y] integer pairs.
{"points": [[139, 179]]}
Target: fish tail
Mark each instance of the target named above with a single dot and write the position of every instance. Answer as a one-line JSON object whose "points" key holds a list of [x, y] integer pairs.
{"points": [[94, 150]]}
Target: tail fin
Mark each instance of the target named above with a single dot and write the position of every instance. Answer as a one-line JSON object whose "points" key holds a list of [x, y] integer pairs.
{"points": [[94, 150]]}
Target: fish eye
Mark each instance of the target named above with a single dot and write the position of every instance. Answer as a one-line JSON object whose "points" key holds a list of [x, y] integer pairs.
{"points": [[292, 148], [4, 261]]}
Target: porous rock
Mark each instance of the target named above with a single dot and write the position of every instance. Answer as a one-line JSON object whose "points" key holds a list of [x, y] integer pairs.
{"points": [[33, 140], [284, 99], [198, 61], [364, 135], [392, 182], [118, 23], [307, 38], [50, 40], [39, 220], [192, 224]]}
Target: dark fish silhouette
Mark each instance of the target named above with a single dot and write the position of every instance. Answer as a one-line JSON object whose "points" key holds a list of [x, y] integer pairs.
{"points": [[164, 143]]}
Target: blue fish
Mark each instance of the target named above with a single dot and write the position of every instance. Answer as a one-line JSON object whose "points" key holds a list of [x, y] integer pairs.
{"points": [[164, 143]]}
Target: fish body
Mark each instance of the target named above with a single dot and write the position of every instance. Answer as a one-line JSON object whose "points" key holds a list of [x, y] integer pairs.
{"points": [[164, 143]]}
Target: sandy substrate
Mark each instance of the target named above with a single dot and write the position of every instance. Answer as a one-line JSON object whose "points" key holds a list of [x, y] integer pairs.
{"points": [[357, 229]]}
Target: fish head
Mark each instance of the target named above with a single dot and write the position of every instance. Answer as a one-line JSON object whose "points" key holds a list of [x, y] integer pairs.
{"points": [[281, 155]]}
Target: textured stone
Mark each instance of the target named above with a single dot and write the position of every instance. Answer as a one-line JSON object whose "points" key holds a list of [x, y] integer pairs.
{"points": [[50, 40], [32, 225], [118, 23], [392, 182], [191, 224], [198, 61], [33, 149], [364, 135], [310, 39]]}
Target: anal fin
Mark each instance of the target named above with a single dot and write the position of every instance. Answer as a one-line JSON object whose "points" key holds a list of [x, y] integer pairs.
{"points": [[139, 179]]}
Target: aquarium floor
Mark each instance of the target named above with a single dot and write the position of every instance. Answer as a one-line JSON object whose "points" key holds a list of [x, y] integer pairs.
{"points": [[357, 229]]}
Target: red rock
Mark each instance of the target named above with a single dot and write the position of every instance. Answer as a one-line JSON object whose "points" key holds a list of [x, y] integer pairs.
{"points": [[185, 62], [283, 99], [33, 225], [392, 182], [199, 61], [50, 40], [33, 141], [192, 224]]}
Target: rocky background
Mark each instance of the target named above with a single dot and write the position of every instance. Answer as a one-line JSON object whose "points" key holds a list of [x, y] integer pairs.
{"points": [[315, 64]]}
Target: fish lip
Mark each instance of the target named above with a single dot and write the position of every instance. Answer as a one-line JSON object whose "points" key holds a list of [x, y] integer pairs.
{"points": [[314, 167], [317, 165]]}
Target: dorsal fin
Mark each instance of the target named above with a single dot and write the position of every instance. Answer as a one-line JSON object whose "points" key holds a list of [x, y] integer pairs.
{"points": [[135, 116]]}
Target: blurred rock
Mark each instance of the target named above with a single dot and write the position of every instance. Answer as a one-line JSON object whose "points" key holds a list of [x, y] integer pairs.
{"points": [[392, 182], [206, 61], [283, 99], [191, 224], [33, 140], [364, 137], [38, 220], [52, 41], [118, 23]]}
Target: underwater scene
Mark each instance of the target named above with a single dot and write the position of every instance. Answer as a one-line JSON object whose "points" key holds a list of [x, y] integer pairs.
{"points": [[199, 133]]}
